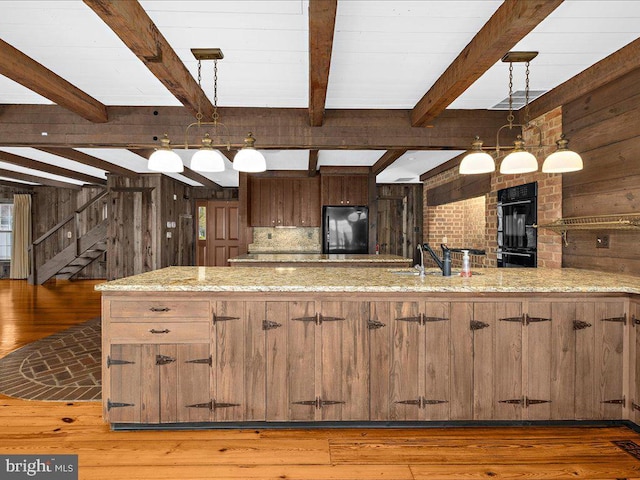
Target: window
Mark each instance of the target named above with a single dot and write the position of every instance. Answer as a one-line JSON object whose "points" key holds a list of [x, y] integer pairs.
{"points": [[6, 220]]}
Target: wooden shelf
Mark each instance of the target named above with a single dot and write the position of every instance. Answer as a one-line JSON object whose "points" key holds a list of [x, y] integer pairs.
{"points": [[623, 221]]}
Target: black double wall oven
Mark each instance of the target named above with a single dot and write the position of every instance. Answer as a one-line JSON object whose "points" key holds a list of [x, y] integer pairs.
{"points": [[517, 226]]}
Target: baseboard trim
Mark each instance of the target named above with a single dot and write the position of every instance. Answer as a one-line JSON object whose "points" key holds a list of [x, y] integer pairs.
{"points": [[357, 424]]}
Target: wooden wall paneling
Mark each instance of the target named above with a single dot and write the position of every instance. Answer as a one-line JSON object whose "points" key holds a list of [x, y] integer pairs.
{"points": [[603, 125], [610, 99], [391, 237], [133, 245], [462, 188], [622, 255]]}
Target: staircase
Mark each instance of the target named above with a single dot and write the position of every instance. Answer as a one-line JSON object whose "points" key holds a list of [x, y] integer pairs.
{"points": [[81, 252]]}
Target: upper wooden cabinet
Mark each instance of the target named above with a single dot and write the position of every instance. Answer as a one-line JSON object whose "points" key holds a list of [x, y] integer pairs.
{"points": [[284, 201], [345, 189]]}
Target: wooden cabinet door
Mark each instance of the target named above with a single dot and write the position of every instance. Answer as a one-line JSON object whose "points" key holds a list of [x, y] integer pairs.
{"points": [[306, 202], [296, 349], [410, 361], [406, 383], [344, 360], [551, 336], [238, 362], [125, 378], [159, 383], [634, 356], [599, 360], [497, 360], [345, 190], [356, 190]]}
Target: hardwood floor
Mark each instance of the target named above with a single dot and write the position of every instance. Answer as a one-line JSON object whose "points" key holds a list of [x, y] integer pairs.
{"points": [[27, 427]]}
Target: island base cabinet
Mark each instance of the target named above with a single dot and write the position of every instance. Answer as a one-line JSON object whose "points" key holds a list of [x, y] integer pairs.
{"points": [[159, 383], [318, 363], [420, 362], [633, 407]]}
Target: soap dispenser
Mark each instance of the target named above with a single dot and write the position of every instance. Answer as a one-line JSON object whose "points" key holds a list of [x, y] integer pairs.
{"points": [[466, 264]]}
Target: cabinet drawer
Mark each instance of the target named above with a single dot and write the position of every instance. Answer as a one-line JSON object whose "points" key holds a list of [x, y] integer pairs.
{"points": [[159, 308], [159, 332]]}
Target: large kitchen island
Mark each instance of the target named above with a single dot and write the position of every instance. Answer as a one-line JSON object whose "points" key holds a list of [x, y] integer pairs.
{"points": [[216, 346]]}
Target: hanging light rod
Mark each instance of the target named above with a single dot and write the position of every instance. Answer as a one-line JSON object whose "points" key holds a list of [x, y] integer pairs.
{"points": [[207, 158], [519, 160]]}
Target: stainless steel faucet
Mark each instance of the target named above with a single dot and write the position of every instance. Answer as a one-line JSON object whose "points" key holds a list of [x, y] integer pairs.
{"points": [[421, 266]]}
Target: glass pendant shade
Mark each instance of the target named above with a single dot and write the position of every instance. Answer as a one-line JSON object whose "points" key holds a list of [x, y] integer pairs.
{"points": [[477, 161], [248, 159], [164, 159], [519, 161], [207, 160], [563, 160]]}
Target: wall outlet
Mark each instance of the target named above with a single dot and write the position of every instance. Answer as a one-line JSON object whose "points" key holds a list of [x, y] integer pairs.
{"points": [[69, 234], [168, 234], [602, 241]]}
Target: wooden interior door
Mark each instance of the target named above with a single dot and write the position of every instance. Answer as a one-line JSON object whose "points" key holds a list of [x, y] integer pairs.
{"points": [[218, 232]]}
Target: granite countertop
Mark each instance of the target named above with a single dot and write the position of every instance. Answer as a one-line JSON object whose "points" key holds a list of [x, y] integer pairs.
{"points": [[339, 279], [318, 258]]}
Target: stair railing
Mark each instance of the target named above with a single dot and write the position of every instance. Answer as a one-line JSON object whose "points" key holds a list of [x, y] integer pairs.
{"points": [[75, 216]]}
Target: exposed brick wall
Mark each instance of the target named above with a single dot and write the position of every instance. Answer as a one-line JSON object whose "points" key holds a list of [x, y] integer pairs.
{"points": [[438, 222]]}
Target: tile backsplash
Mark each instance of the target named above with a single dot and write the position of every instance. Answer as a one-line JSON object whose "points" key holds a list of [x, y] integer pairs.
{"points": [[298, 239]]}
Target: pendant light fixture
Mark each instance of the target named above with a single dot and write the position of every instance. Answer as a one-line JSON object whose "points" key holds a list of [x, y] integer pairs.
{"points": [[165, 159], [477, 161], [520, 160], [208, 158]]}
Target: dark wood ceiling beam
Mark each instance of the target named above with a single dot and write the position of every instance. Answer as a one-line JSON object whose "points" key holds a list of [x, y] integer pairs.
{"points": [[273, 128], [313, 162], [322, 21], [41, 180], [606, 70], [86, 159], [23, 186], [133, 26], [30, 74], [443, 167], [188, 173], [387, 159], [513, 20], [52, 169]]}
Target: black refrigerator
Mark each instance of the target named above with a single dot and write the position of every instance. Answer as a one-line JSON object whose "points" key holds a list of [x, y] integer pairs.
{"points": [[345, 229]]}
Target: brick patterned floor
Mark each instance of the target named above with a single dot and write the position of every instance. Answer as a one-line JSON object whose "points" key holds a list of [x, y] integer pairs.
{"points": [[62, 367]]}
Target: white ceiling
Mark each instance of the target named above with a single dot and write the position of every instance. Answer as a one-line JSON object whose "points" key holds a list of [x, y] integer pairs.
{"points": [[386, 54]]}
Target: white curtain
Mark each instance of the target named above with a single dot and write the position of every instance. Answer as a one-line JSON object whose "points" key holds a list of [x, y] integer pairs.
{"points": [[21, 236]]}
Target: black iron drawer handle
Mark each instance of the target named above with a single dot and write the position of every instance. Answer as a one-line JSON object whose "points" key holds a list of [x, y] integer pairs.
{"points": [[159, 309], [153, 330]]}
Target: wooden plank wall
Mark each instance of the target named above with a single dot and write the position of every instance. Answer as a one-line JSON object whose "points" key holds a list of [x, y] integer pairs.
{"points": [[50, 205], [141, 210], [603, 127], [390, 216]]}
